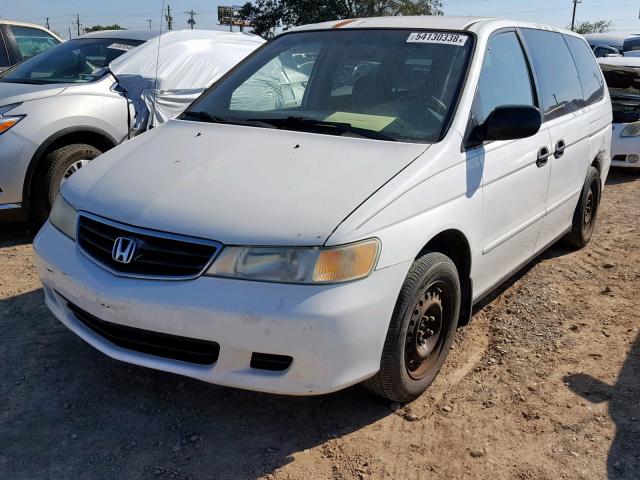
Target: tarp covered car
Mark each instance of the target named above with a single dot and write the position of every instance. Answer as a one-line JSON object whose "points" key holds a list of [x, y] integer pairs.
{"points": [[162, 83]]}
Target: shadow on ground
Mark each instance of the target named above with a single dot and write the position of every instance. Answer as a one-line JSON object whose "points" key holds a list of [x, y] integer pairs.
{"points": [[12, 234], [623, 462], [71, 412], [622, 175]]}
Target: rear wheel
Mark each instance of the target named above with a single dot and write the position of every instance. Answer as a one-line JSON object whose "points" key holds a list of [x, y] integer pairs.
{"points": [[421, 330], [56, 168], [586, 213]]}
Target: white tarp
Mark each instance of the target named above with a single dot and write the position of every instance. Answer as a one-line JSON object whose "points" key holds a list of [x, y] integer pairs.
{"points": [[187, 62]]}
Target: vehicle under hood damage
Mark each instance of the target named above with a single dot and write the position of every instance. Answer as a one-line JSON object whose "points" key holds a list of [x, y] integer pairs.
{"points": [[624, 87], [282, 187]]}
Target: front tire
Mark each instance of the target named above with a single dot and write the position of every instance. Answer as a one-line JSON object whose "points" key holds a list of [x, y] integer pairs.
{"points": [[586, 213], [56, 167], [421, 330]]}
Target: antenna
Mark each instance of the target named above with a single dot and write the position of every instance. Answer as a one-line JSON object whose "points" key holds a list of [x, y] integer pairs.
{"points": [[155, 81]]}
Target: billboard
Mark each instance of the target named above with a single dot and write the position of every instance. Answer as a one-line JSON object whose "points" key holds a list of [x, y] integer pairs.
{"points": [[231, 16]]}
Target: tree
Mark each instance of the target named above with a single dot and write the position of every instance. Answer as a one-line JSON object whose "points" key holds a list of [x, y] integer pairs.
{"points": [[99, 28], [266, 15], [601, 26]]}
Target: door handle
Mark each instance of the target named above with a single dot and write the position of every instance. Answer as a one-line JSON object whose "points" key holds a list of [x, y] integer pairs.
{"points": [[543, 157], [560, 146]]}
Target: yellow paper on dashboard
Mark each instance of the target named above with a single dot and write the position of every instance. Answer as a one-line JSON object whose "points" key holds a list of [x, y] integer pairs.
{"points": [[374, 123]]}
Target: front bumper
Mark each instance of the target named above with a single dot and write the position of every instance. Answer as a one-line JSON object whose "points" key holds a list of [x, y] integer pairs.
{"points": [[622, 147], [335, 333], [16, 152]]}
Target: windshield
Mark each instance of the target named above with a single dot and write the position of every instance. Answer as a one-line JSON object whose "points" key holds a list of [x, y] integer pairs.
{"points": [[75, 61], [385, 84]]}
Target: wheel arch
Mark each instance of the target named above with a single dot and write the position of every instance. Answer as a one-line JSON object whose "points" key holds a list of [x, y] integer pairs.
{"points": [[78, 134], [454, 244]]}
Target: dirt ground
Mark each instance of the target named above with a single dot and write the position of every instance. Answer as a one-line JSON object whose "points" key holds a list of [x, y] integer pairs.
{"points": [[543, 384]]}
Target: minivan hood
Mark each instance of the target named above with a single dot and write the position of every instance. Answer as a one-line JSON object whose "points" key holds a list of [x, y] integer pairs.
{"points": [[238, 185], [24, 92]]}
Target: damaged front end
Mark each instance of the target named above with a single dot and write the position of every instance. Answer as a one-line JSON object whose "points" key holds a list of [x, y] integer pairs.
{"points": [[624, 87]]}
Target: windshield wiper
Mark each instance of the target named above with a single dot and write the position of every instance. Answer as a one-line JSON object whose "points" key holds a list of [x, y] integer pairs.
{"points": [[294, 122], [201, 116]]}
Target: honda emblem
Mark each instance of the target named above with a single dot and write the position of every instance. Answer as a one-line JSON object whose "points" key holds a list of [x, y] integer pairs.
{"points": [[123, 250]]}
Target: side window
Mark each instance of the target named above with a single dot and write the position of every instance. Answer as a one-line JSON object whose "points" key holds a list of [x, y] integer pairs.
{"points": [[4, 56], [588, 70], [281, 83], [557, 74], [505, 78], [32, 41]]}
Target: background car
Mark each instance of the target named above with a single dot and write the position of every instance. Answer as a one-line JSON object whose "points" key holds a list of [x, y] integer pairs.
{"points": [[623, 79], [65, 107], [607, 44], [20, 41]]}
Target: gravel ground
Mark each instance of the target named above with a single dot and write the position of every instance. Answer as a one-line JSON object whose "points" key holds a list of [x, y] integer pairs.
{"points": [[543, 384]]}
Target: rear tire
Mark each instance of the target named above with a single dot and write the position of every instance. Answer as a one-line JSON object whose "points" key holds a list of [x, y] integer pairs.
{"points": [[421, 330], [586, 213], [54, 168]]}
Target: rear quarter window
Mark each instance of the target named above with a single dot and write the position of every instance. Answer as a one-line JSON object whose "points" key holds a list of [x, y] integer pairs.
{"points": [[588, 70], [557, 74]]}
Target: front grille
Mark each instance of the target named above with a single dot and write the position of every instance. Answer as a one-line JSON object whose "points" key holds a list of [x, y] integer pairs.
{"points": [[191, 350], [156, 254], [620, 158]]}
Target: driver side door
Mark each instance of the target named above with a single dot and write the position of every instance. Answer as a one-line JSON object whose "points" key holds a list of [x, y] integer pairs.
{"points": [[516, 172]]}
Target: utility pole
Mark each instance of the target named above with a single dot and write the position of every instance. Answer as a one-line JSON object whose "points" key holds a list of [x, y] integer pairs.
{"points": [[169, 18], [191, 20], [149, 20], [47, 24], [573, 18], [78, 23], [69, 33]]}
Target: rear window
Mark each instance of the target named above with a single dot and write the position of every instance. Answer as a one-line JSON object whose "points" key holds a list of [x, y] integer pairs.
{"points": [[32, 41], [556, 72], [588, 70]]}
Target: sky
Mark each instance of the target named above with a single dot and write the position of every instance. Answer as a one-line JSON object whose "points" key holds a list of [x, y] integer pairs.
{"points": [[133, 14]]}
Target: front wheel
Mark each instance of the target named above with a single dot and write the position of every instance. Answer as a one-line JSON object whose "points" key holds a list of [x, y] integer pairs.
{"points": [[55, 169], [586, 213], [421, 330]]}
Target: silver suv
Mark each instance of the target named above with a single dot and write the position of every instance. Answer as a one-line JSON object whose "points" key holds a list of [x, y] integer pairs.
{"points": [[59, 110]]}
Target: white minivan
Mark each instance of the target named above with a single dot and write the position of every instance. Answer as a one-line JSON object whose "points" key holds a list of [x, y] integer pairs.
{"points": [[329, 211]]}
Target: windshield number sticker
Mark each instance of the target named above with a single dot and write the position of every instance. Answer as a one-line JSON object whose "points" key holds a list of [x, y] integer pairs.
{"points": [[438, 37], [121, 46]]}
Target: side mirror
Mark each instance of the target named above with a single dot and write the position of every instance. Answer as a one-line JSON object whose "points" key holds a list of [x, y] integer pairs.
{"points": [[508, 122]]}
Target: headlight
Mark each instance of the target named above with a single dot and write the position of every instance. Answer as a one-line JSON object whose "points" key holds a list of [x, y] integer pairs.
{"points": [[64, 217], [8, 121], [631, 130], [308, 265]]}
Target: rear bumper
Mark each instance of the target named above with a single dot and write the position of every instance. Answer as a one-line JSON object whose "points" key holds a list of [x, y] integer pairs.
{"points": [[334, 333]]}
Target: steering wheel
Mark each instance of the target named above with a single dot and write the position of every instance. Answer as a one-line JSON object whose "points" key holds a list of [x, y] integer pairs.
{"points": [[432, 103]]}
